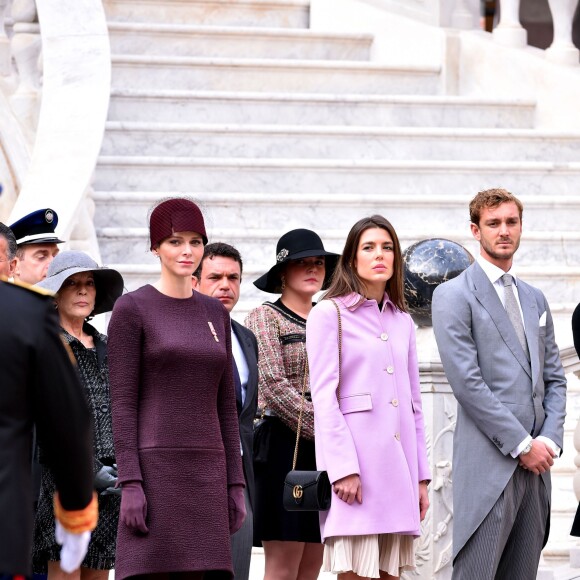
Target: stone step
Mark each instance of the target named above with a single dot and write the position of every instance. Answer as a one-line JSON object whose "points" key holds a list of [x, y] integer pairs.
{"points": [[327, 176], [249, 42], [319, 109], [561, 285], [315, 76], [327, 210], [258, 13], [538, 247], [337, 142]]}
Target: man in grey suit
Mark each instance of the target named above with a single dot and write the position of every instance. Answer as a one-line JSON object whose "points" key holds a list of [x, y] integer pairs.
{"points": [[496, 340], [219, 275]]}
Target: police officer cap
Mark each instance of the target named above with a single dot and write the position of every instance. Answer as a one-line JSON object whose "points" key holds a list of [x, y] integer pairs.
{"points": [[36, 228]]}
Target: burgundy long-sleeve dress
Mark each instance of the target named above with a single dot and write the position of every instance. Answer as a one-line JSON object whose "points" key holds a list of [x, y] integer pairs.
{"points": [[175, 428]]}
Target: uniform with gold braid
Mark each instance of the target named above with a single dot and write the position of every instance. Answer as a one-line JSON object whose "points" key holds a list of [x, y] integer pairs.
{"points": [[39, 386]]}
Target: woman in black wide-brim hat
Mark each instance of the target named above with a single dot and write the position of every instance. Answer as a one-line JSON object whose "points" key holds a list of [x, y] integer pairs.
{"points": [[291, 540]]}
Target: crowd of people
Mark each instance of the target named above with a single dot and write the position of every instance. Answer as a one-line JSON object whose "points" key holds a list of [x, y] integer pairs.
{"points": [[196, 419]]}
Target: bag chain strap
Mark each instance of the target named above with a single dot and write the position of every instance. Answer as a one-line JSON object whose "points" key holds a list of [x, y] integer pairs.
{"points": [[305, 379]]}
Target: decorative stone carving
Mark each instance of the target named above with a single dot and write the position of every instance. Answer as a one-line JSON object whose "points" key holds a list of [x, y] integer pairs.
{"points": [[5, 67], [434, 548], [25, 47]]}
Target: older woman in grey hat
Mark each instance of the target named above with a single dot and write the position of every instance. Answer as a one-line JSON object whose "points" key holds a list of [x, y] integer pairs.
{"points": [[82, 290]]}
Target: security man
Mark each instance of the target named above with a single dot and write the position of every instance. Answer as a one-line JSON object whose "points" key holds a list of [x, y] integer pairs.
{"points": [[37, 244]]}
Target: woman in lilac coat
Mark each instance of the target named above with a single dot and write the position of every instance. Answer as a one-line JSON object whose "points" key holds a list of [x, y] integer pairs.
{"points": [[369, 432]]}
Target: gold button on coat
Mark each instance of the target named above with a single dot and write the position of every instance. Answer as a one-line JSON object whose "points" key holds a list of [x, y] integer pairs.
{"points": [[390, 370], [384, 336], [395, 403], [398, 436]]}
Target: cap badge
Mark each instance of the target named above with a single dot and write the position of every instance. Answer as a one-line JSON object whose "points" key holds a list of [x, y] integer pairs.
{"points": [[282, 254], [49, 216]]}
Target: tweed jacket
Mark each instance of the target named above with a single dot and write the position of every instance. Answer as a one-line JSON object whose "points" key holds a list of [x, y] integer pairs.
{"points": [[281, 340], [94, 371], [375, 428]]}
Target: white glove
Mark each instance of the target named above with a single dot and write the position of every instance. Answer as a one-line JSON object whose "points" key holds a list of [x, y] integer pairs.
{"points": [[74, 548]]}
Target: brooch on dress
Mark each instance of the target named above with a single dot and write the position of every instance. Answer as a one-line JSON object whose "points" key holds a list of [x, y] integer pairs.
{"points": [[213, 331]]}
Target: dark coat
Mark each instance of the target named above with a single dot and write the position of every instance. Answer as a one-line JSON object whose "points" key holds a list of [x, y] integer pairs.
{"points": [[175, 428], [576, 336], [246, 417], [38, 385]]}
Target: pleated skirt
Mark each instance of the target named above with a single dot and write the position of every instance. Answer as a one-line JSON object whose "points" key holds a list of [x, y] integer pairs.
{"points": [[370, 554]]}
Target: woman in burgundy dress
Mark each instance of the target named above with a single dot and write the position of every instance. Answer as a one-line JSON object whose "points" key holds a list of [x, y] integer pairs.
{"points": [[174, 414]]}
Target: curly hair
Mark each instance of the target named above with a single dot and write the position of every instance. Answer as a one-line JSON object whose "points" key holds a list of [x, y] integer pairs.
{"points": [[491, 198]]}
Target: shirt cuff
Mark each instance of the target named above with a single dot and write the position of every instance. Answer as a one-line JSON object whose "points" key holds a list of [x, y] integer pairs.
{"points": [[550, 444], [515, 452]]}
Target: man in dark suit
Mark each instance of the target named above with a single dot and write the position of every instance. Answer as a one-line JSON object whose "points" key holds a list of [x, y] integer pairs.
{"points": [[496, 340], [219, 275], [40, 386]]}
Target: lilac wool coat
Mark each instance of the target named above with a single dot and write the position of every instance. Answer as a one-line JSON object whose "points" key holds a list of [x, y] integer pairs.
{"points": [[378, 431]]}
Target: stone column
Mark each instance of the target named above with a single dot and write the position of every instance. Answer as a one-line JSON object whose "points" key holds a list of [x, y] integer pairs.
{"points": [[562, 50], [434, 548], [509, 31]]}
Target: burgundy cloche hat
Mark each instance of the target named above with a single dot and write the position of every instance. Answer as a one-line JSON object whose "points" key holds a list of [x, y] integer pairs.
{"points": [[175, 215]]}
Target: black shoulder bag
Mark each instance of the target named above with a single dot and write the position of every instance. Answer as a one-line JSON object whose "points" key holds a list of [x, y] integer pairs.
{"points": [[310, 490]]}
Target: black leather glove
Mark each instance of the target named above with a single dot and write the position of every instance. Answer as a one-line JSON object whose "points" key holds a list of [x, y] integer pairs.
{"points": [[106, 480]]}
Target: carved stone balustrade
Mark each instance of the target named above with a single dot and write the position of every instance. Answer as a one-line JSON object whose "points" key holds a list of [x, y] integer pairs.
{"points": [[509, 31], [562, 49]]}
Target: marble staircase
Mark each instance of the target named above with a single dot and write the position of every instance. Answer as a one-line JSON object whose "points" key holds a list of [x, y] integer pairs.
{"points": [[270, 126]]}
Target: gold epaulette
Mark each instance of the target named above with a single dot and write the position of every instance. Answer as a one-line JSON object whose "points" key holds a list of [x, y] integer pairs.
{"points": [[30, 287], [77, 521]]}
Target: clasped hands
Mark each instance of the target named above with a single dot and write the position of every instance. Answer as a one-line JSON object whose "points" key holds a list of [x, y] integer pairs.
{"points": [[539, 459], [106, 480], [349, 488]]}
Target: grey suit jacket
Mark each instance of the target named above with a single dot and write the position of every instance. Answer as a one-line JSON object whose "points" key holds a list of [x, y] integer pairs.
{"points": [[502, 396], [250, 349]]}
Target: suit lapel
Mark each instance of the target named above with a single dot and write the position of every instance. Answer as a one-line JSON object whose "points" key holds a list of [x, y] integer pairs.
{"points": [[247, 349], [488, 298], [531, 324]]}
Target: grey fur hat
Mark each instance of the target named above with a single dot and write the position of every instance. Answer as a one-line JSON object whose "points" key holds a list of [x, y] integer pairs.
{"points": [[108, 282]]}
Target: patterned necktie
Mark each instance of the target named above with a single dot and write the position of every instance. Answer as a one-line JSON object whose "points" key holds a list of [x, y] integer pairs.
{"points": [[513, 311]]}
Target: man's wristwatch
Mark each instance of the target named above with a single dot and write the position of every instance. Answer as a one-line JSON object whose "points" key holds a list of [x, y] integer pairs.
{"points": [[526, 449]]}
